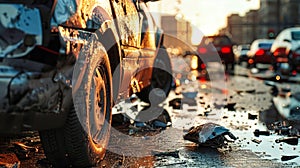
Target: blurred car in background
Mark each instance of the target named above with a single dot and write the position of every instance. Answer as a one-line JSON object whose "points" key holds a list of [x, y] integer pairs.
{"points": [[240, 53], [286, 49], [212, 45], [260, 52]]}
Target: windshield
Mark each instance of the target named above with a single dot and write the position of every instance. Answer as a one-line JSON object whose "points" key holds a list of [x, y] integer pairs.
{"points": [[265, 45]]}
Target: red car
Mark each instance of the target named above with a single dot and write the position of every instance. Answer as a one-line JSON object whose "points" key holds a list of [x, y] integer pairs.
{"points": [[260, 52], [213, 47]]}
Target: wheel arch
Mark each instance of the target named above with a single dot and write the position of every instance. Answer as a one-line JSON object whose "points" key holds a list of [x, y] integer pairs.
{"points": [[107, 32]]}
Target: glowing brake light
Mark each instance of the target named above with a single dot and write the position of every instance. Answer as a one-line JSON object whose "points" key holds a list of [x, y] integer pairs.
{"points": [[279, 52], [202, 50], [260, 52], [225, 50]]}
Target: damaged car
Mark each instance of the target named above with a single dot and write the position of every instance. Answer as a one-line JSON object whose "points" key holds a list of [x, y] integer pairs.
{"points": [[64, 64]]}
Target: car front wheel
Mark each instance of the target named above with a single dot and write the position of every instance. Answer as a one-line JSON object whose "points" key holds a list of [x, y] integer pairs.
{"points": [[83, 140]]}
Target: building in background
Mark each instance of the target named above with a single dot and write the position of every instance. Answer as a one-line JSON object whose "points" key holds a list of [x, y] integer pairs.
{"points": [[268, 14], [235, 28], [266, 22], [178, 32]]}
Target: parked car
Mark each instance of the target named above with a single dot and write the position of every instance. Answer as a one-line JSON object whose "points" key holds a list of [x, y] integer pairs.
{"points": [[59, 59], [221, 45], [241, 52], [286, 49], [260, 52]]}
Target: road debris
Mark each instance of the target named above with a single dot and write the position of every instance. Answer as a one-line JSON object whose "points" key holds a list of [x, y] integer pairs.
{"points": [[257, 133], [230, 106], [190, 95], [175, 103], [174, 154], [210, 134], [258, 141], [288, 140], [252, 116], [287, 158], [282, 128]]}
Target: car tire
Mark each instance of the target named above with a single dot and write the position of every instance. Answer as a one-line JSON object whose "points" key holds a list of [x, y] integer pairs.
{"points": [[161, 81], [83, 139]]}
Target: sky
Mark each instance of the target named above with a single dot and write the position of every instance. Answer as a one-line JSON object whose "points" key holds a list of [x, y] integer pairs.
{"points": [[206, 16]]}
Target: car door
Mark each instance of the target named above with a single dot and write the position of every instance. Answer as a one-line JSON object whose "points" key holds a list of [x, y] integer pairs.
{"points": [[148, 43], [128, 24]]}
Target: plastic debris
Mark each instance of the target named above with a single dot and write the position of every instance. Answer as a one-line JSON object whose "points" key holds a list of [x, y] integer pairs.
{"points": [[210, 134], [257, 133], [174, 154], [230, 106], [175, 103], [252, 116], [288, 140], [190, 95], [256, 141], [286, 158]]}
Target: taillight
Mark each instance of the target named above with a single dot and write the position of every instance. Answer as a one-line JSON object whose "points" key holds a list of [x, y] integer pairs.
{"points": [[202, 50], [225, 50], [250, 61], [279, 52], [260, 52]]}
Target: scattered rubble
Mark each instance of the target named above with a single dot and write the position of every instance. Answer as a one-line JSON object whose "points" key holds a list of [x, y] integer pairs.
{"points": [[174, 154], [178, 102], [257, 133], [282, 128], [258, 141], [252, 116], [286, 158], [288, 140], [230, 106]]}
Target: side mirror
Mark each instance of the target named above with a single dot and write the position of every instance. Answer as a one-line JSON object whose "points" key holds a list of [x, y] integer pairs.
{"points": [[287, 40]]}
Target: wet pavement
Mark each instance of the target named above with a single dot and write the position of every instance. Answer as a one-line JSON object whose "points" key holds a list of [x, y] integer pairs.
{"points": [[238, 102]]}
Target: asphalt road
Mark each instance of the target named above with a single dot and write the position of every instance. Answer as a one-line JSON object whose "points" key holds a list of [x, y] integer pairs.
{"points": [[240, 103]]}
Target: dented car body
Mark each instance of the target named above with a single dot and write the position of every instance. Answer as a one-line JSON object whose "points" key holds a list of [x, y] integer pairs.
{"points": [[49, 48]]}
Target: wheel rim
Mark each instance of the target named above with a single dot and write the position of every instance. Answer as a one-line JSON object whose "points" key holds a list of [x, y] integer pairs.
{"points": [[99, 105]]}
